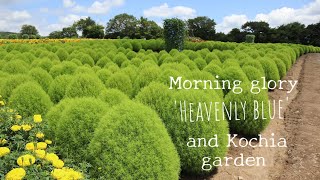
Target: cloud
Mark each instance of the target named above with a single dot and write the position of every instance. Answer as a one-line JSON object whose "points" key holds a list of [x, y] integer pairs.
{"points": [[12, 20], [68, 3], [307, 14], [230, 22], [97, 7], [164, 11], [104, 7], [70, 19]]}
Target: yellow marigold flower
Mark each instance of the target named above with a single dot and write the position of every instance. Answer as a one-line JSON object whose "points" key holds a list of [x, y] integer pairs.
{"points": [[30, 146], [40, 153], [51, 157], [18, 117], [66, 173], [37, 118], [40, 135], [16, 174], [58, 164], [4, 151], [1, 103], [26, 127], [26, 160], [48, 141], [15, 128], [41, 145]]}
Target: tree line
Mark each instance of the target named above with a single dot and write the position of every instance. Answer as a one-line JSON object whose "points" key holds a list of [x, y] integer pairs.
{"points": [[202, 27]]}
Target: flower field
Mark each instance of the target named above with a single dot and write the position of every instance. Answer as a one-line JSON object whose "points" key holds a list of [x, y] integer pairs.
{"points": [[103, 109]]}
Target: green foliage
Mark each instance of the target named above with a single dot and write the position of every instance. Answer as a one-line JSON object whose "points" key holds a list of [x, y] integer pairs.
{"points": [[62, 54], [252, 73], [270, 69], [84, 85], [11, 82], [136, 121], [281, 67], [250, 38], [29, 99], [25, 36], [113, 96], [121, 82], [29, 30], [201, 63], [174, 33], [248, 126], [75, 124], [15, 67], [42, 77], [163, 103], [202, 27], [57, 88]]}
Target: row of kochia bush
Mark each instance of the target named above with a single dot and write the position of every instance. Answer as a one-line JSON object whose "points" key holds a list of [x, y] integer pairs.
{"points": [[109, 105]]}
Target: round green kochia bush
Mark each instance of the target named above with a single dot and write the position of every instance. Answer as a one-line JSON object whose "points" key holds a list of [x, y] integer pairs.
{"points": [[140, 147], [271, 70], [146, 76], [84, 70], [252, 73], [232, 74], [181, 130], [29, 99], [190, 64], [11, 82], [281, 67], [75, 124], [45, 64], [213, 69], [248, 126], [42, 77], [103, 61], [62, 54], [104, 75], [120, 58], [84, 85], [201, 63], [58, 87], [113, 96], [15, 67], [121, 82]]}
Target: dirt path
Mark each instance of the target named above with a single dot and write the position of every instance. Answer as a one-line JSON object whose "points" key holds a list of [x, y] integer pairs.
{"points": [[301, 128], [303, 125]]}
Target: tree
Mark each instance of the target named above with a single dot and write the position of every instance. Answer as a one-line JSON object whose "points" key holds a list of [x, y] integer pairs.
{"points": [[220, 36], [86, 26], [291, 33], [69, 32], [95, 31], [122, 25], [259, 29], [174, 33], [235, 35], [148, 29], [312, 35], [55, 35], [202, 27], [29, 30]]}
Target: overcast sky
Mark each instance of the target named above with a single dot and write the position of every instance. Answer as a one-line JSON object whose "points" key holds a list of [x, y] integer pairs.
{"points": [[51, 15]]}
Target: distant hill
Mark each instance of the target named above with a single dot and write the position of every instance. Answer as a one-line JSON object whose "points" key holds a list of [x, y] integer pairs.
{"points": [[5, 34]]}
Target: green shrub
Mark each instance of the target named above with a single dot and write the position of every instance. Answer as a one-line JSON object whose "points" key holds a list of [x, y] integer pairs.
{"points": [[233, 74], [174, 31], [113, 67], [191, 64], [146, 76], [113, 96], [124, 156], [281, 67], [13, 36], [42, 77], [163, 103], [254, 63], [29, 99], [25, 36], [86, 59], [45, 64], [136, 61], [120, 58], [84, 85], [121, 82], [62, 54], [15, 67], [201, 63], [214, 69], [58, 87], [250, 38], [75, 125], [248, 126], [84, 70], [252, 73], [271, 70], [104, 75], [11, 82]]}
